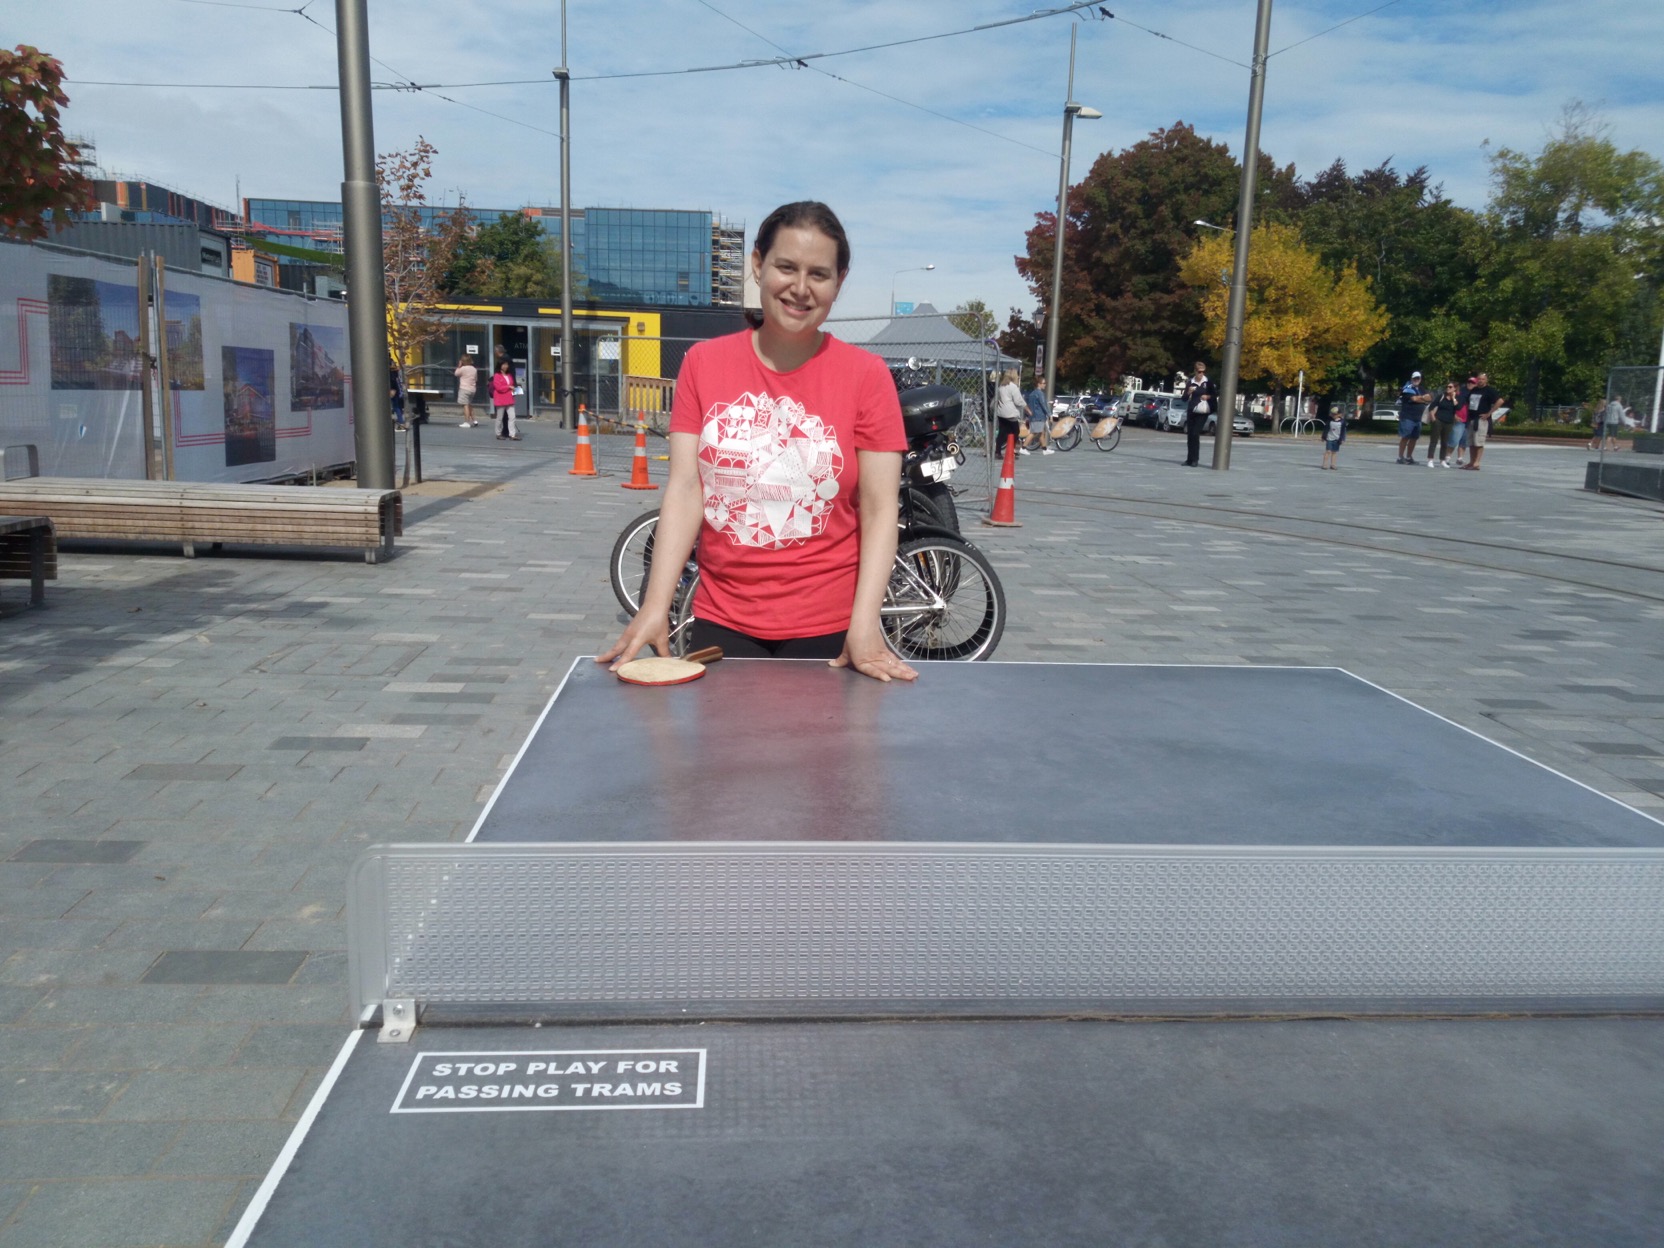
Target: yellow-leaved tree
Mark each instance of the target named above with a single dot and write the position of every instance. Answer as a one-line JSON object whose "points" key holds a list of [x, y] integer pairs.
{"points": [[1301, 314]]}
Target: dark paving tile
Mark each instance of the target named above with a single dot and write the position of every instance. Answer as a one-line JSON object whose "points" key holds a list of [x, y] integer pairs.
{"points": [[319, 743], [184, 771], [1514, 704], [1620, 748], [225, 966], [77, 851]]}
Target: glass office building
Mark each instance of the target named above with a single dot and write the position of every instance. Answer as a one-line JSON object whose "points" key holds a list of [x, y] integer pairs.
{"points": [[653, 257]]}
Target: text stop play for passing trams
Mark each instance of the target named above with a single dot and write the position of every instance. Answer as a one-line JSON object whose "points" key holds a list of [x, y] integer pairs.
{"points": [[553, 1079]]}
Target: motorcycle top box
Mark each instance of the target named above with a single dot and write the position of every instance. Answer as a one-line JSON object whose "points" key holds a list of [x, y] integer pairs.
{"points": [[930, 409]]}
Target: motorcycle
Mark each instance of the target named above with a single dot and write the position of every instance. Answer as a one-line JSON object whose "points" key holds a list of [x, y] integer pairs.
{"points": [[929, 415]]}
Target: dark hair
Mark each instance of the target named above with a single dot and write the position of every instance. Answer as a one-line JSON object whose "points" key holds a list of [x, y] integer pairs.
{"points": [[806, 212]]}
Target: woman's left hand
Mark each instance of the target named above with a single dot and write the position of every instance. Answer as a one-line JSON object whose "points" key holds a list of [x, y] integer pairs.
{"points": [[871, 657]]}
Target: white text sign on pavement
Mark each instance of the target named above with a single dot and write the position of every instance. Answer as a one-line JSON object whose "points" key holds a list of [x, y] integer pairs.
{"points": [[557, 1079]]}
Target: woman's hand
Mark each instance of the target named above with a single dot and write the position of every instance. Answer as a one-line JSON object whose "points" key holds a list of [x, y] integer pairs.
{"points": [[871, 657], [643, 630]]}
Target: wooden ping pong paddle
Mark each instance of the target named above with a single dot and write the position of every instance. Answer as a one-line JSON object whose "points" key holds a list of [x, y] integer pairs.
{"points": [[657, 671]]}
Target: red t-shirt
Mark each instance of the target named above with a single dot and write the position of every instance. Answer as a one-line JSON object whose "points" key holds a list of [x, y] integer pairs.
{"points": [[780, 545]]}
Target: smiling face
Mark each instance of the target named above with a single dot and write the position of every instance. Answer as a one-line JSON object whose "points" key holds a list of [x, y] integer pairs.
{"points": [[798, 280]]}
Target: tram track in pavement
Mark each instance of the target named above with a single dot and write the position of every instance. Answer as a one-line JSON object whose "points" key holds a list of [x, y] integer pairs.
{"points": [[1511, 557]]}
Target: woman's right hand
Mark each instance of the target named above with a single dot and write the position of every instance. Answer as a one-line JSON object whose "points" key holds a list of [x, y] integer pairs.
{"points": [[643, 630]]}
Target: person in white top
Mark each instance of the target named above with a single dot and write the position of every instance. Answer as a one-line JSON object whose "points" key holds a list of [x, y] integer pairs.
{"points": [[467, 380]]}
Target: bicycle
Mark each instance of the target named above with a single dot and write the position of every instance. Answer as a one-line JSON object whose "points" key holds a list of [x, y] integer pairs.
{"points": [[1070, 435], [944, 599]]}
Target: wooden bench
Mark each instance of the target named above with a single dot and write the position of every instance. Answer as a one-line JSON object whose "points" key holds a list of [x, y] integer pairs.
{"points": [[28, 552], [194, 513]]}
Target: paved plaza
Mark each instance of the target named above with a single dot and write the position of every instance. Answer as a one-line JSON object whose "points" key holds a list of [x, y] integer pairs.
{"points": [[192, 752]]}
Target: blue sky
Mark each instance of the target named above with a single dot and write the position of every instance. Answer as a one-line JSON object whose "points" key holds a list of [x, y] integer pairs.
{"points": [[1421, 83]]}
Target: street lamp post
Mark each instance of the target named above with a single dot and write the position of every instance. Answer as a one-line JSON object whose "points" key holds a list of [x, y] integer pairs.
{"points": [[1071, 110], [361, 229], [565, 76], [923, 268], [1236, 308]]}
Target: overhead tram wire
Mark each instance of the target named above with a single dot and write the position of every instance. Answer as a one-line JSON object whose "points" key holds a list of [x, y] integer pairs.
{"points": [[788, 61], [861, 86]]}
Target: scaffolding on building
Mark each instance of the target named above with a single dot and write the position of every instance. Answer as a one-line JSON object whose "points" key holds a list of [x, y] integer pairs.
{"points": [[727, 263]]}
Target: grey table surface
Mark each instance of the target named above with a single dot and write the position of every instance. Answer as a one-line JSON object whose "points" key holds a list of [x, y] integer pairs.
{"points": [[1097, 753]]}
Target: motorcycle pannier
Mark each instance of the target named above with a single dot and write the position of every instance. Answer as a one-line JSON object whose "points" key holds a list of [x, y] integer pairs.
{"points": [[930, 409]]}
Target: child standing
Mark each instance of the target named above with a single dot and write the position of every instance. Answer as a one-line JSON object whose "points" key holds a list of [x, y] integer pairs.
{"points": [[1333, 437], [502, 402]]}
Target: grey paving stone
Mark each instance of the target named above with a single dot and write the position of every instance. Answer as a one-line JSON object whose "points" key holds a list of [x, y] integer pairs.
{"points": [[52, 968], [222, 1149], [155, 1046], [57, 1095], [178, 1096], [76, 851], [120, 1214], [17, 1002], [226, 966], [311, 1045], [66, 1150], [175, 772], [319, 743]]}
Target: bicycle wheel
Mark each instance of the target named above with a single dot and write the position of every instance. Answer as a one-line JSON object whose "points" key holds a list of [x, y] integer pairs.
{"points": [[681, 615], [1067, 441], [632, 559], [944, 601], [1110, 440]]}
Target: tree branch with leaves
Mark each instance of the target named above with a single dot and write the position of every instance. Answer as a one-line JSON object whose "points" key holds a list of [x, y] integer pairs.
{"points": [[416, 251], [42, 167]]}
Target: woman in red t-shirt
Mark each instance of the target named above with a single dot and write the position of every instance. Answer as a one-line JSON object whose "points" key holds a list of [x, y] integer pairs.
{"points": [[785, 464]]}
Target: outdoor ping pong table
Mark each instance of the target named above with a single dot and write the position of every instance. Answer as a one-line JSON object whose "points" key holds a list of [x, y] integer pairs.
{"points": [[784, 956]]}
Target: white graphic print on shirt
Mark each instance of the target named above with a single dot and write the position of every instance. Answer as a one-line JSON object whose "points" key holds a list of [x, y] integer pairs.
{"points": [[769, 470]]}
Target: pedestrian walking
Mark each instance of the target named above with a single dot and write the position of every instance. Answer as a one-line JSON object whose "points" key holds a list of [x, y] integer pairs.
{"points": [[1608, 420], [1201, 399], [1412, 405], [395, 394], [1333, 436], [1040, 415], [502, 402], [1008, 410], [1482, 403], [467, 381]]}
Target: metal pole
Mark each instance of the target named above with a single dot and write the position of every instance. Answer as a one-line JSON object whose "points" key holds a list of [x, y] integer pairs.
{"points": [[1655, 422], [147, 365], [1053, 311], [1232, 363], [164, 375], [566, 410], [372, 408]]}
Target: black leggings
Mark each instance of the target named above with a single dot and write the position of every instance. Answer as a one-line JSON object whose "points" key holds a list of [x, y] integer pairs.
{"points": [[737, 645]]}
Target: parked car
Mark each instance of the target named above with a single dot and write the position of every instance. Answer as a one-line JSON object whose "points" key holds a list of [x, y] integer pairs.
{"points": [[1172, 416], [1241, 425], [1145, 407]]}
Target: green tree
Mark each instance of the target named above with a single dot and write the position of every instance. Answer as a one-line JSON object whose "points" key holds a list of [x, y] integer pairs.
{"points": [[1570, 230], [42, 168], [1419, 251], [1302, 315], [1130, 224], [974, 319], [512, 258]]}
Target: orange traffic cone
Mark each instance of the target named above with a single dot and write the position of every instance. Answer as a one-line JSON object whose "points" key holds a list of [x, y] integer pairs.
{"points": [[583, 459], [638, 465], [1005, 501]]}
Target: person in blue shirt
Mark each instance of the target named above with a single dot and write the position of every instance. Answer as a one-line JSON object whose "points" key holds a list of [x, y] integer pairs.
{"points": [[1412, 405]]}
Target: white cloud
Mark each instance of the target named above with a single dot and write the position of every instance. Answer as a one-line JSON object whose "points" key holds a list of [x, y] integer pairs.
{"points": [[1421, 82]]}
